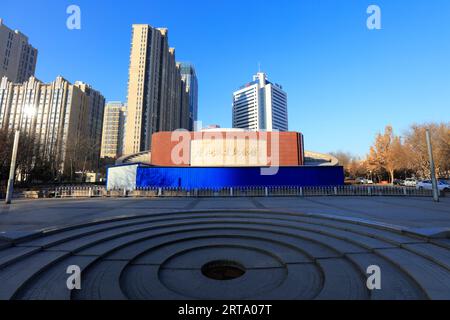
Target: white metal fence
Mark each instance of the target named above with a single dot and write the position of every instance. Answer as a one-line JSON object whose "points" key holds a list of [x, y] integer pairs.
{"points": [[78, 192], [287, 191]]}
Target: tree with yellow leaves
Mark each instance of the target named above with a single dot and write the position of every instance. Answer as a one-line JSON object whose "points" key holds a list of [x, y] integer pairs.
{"points": [[387, 153]]}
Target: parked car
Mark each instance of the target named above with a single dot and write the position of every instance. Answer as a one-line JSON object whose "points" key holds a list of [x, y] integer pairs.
{"points": [[428, 185], [363, 181], [410, 182], [399, 182]]}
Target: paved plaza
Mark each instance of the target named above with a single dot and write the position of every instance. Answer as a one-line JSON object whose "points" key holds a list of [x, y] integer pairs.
{"points": [[226, 248]]}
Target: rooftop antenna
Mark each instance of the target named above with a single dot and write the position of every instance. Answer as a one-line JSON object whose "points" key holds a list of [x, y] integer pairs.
{"points": [[259, 67]]}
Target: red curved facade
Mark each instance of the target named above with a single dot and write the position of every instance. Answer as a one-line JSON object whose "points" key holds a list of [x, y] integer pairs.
{"points": [[290, 146]]}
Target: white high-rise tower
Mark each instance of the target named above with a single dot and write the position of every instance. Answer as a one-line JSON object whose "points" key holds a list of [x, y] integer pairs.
{"points": [[260, 105]]}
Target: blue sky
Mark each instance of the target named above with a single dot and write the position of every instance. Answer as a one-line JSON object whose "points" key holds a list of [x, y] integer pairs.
{"points": [[345, 82]]}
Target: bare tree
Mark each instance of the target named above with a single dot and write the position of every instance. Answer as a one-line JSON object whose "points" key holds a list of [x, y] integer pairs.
{"points": [[31, 165], [353, 165], [81, 155]]}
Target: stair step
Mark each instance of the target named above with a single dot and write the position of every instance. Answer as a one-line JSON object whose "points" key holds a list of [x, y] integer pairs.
{"points": [[143, 283], [361, 240], [395, 285], [442, 242], [19, 236], [51, 284], [328, 248], [438, 254], [342, 281], [13, 254], [5, 244], [432, 278], [77, 244], [302, 282], [211, 249], [382, 234], [102, 282], [57, 237], [194, 285], [15, 275]]}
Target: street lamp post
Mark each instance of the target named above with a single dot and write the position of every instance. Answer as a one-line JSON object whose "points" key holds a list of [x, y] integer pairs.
{"points": [[28, 111], [432, 168], [12, 170]]}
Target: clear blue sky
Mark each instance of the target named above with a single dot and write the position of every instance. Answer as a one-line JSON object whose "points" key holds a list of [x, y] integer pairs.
{"points": [[345, 83]]}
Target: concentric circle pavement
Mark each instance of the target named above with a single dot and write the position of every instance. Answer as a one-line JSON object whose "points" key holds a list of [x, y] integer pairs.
{"points": [[283, 256]]}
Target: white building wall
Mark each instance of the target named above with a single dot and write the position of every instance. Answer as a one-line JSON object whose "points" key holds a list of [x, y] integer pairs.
{"points": [[246, 108], [122, 178], [260, 105]]}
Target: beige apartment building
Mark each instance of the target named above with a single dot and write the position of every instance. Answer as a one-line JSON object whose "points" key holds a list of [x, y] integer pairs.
{"points": [[17, 57], [65, 119], [113, 130], [156, 93], [93, 119]]}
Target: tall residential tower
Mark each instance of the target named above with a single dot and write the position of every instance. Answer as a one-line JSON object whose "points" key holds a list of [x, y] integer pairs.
{"points": [[157, 97], [260, 105], [113, 130], [64, 119], [189, 76], [17, 57]]}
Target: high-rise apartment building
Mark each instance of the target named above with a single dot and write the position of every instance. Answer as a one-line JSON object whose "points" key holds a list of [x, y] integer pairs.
{"points": [[185, 105], [260, 105], [95, 102], [157, 97], [64, 119], [113, 130], [189, 76], [17, 57]]}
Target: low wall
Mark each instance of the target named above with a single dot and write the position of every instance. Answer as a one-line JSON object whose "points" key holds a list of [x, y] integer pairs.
{"points": [[218, 178]]}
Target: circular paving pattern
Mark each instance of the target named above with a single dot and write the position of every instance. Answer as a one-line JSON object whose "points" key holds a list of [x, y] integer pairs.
{"points": [[255, 254]]}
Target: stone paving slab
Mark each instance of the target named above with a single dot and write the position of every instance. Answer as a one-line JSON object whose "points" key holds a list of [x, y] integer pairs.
{"points": [[409, 212]]}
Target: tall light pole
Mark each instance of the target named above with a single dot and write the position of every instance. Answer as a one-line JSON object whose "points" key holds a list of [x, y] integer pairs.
{"points": [[432, 168], [12, 170]]}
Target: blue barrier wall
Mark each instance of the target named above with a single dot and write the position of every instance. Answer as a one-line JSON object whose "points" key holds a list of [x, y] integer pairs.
{"points": [[219, 178]]}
